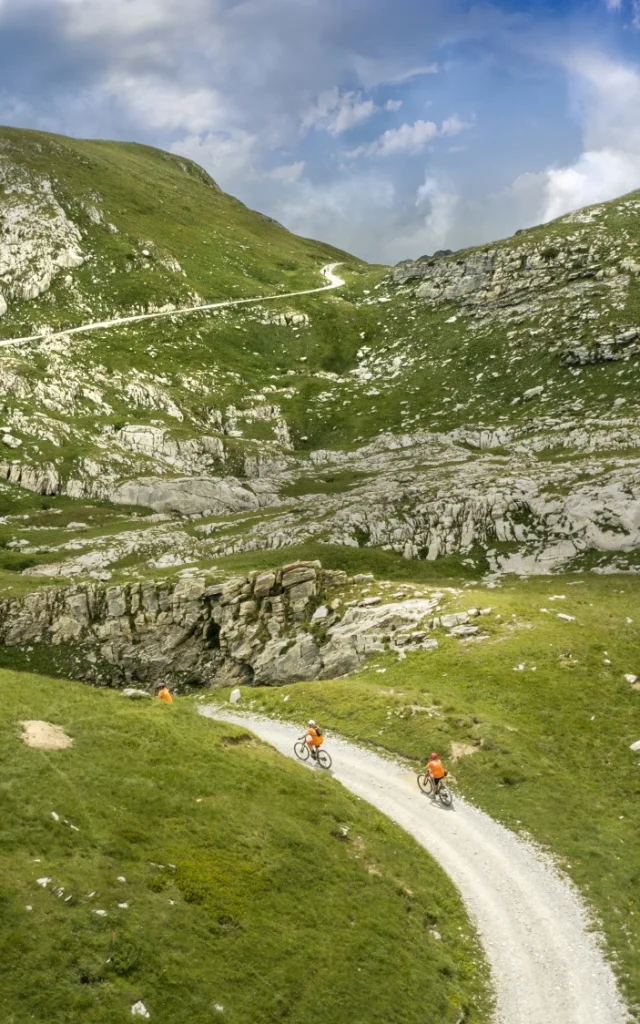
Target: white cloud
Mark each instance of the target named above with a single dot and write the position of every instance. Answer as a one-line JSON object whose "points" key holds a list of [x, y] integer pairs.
{"points": [[124, 18], [425, 69], [613, 5], [442, 206], [288, 173], [408, 139], [230, 157], [355, 213], [351, 114], [454, 125], [393, 105], [606, 96], [162, 104], [607, 93], [411, 138], [337, 112], [597, 176], [373, 75]]}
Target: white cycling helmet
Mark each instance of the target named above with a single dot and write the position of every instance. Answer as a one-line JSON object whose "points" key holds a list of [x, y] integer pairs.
{"points": [[311, 723]]}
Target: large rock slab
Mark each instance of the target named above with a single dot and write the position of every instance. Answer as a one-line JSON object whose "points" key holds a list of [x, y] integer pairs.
{"points": [[280, 663], [186, 495]]}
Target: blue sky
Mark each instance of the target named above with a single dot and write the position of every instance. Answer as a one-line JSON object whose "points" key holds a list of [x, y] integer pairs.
{"points": [[389, 127]]}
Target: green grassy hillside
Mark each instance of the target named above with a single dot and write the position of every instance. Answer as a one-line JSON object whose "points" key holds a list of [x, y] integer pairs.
{"points": [[221, 877], [154, 228], [534, 722], [382, 414]]}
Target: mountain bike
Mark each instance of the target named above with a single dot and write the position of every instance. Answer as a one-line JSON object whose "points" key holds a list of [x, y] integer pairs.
{"points": [[303, 752], [425, 782]]}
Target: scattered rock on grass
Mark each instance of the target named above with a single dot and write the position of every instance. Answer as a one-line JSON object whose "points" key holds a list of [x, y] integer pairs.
{"points": [[461, 631], [134, 694], [139, 1010]]}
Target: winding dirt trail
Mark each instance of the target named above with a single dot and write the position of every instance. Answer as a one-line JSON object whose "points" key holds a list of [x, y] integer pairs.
{"points": [[327, 271], [547, 966]]}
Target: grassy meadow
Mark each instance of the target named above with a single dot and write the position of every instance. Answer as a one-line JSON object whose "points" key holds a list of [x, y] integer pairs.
{"points": [[225, 888]]}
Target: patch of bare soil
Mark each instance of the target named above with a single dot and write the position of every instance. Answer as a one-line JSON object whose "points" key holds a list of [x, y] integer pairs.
{"points": [[45, 736]]}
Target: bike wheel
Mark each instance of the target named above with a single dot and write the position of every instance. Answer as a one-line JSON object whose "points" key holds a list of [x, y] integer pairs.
{"points": [[324, 759], [301, 751], [424, 783], [445, 797]]}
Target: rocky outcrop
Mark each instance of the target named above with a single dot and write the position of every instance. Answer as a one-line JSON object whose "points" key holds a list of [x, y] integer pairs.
{"points": [[604, 350], [266, 628], [195, 495], [37, 239], [194, 454], [41, 479], [507, 274], [186, 632]]}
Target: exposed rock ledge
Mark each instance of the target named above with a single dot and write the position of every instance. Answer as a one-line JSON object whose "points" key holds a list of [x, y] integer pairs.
{"points": [[186, 495], [266, 628]]}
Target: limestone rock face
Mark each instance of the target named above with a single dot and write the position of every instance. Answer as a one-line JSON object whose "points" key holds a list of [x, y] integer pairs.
{"points": [[187, 495], [38, 240], [281, 663], [339, 659], [186, 632], [249, 629], [190, 456], [500, 275], [264, 584], [298, 573]]}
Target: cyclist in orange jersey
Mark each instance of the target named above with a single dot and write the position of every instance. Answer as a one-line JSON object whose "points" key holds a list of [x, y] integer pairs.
{"points": [[163, 693], [436, 772], [313, 737]]}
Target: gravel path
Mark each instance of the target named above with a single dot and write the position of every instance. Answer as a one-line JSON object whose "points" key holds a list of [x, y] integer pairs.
{"points": [[328, 273], [547, 966]]}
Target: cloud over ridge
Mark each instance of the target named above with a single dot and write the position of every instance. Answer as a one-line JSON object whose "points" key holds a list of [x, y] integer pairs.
{"points": [[390, 130]]}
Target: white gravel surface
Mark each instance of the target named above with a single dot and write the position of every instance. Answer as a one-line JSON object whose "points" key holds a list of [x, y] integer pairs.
{"points": [[328, 272], [547, 966]]}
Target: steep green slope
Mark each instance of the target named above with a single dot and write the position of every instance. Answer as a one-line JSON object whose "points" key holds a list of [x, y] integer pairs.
{"points": [[188, 866], [150, 229], [457, 342], [97, 230]]}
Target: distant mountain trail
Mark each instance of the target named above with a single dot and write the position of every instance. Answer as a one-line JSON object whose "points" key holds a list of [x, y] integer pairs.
{"points": [[547, 965], [327, 271]]}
